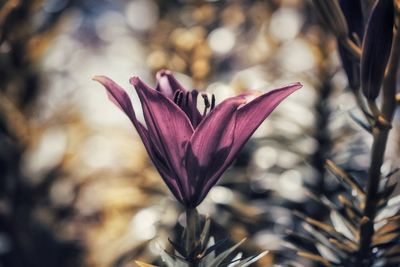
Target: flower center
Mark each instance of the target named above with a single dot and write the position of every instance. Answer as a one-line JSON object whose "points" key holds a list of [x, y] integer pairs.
{"points": [[189, 99]]}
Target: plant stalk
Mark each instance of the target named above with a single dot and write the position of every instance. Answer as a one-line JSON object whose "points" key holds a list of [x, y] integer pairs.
{"points": [[192, 220], [380, 135]]}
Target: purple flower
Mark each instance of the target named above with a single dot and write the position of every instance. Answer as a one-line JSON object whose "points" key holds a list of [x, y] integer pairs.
{"points": [[190, 149]]}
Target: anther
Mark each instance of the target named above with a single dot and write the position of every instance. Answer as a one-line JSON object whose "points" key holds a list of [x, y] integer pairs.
{"points": [[187, 99], [176, 96], [212, 101], [206, 101], [179, 100]]}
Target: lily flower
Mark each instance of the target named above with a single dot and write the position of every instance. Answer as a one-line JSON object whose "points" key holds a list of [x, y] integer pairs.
{"points": [[191, 150]]}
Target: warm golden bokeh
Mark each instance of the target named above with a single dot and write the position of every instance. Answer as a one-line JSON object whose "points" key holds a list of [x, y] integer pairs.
{"points": [[75, 170]]}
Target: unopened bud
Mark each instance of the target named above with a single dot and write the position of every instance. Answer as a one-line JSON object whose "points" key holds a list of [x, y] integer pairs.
{"points": [[352, 11], [376, 47]]}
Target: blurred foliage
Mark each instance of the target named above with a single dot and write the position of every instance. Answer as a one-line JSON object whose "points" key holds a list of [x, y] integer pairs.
{"points": [[29, 222], [361, 229], [77, 188]]}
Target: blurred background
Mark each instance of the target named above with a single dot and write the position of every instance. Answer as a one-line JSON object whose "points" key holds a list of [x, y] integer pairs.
{"points": [[77, 188]]}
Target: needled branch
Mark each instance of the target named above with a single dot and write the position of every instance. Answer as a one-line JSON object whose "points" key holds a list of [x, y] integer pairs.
{"points": [[380, 134]]}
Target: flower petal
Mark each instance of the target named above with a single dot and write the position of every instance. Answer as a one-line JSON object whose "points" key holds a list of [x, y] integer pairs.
{"points": [[172, 183], [117, 95], [216, 130], [254, 113], [168, 126], [121, 99], [249, 117], [167, 84], [214, 135]]}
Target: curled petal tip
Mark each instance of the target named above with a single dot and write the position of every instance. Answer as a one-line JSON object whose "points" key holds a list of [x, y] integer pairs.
{"points": [[162, 73], [99, 78], [243, 100], [294, 85], [134, 80], [297, 84]]}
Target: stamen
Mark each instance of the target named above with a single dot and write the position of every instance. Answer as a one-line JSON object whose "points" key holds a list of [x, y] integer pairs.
{"points": [[212, 102], [187, 99], [206, 103], [176, 96], [179, 100]]}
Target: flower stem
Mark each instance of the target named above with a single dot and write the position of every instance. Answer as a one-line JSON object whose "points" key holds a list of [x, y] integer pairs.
{"points": [[192, 219]]}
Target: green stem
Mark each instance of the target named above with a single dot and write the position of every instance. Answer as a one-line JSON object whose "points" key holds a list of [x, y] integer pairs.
{"points": [[192, 220]]}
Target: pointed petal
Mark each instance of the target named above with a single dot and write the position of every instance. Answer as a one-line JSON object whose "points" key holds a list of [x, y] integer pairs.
{"points": [[254, 113], [213, 137], [249, 117], [376, 47], [216, 130], [117, 95], [121, 99], [167, 84], [168, 126]]}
